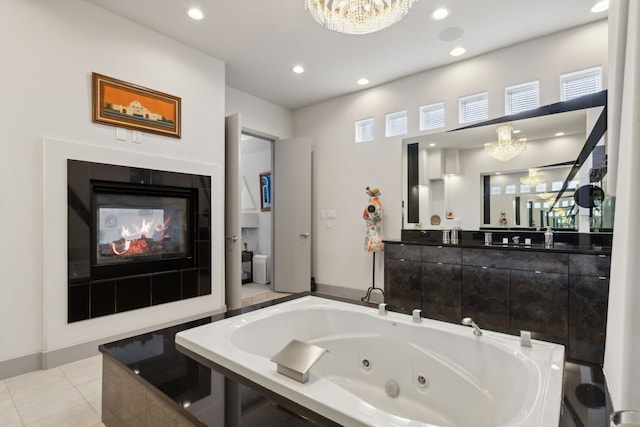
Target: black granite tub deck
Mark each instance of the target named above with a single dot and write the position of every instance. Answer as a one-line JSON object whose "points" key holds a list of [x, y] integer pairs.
{"points": [[147, 381]]}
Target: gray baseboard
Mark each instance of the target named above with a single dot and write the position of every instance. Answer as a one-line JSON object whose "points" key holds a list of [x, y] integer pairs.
{"points": [[349, 293], [20, 365], [51, 359]]}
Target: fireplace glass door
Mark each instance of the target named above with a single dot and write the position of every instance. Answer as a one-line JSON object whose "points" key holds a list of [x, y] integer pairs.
{"points": [[136, 226]]}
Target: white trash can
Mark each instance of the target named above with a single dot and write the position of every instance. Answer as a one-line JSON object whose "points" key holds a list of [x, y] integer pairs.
{"points": [[261, 269]]}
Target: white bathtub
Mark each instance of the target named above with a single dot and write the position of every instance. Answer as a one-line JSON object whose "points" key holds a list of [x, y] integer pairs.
{"points": [[446, 375]]}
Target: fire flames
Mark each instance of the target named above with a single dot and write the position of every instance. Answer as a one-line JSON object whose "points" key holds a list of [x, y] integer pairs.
{"points": [[136, 241]]}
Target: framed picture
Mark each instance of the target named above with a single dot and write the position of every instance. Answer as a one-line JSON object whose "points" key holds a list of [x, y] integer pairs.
{"points": [[265, 191], [126, 105]]}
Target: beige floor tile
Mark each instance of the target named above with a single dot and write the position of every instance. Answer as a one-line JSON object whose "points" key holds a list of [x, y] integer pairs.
{"points": [[78, 416], [97, 405], [6, 401], [91, 390], [84, 370], [37, 385], [36, 410], [10, 418]]}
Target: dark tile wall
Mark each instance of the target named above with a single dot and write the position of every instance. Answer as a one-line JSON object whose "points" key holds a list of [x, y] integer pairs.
{"points": [[89, 298]]}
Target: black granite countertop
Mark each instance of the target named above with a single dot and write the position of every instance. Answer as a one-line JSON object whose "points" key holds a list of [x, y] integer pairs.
{"points": [[201, 391], [564, 241], [193, 385], [557, 248]]}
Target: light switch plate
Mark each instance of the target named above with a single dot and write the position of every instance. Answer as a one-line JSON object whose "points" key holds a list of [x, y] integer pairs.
{"points": [[136, 136], [121, 134]]}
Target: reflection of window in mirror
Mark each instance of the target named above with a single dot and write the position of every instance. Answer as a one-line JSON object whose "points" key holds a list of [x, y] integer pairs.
{"points": [[525, 188], [574, 184], [537, 205], [556, 185], [510, 189], [496, 189], [541, 188]]}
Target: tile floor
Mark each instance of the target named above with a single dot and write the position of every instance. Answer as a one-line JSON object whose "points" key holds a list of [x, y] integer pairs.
{"points": [[255, 293], [66, 396]]}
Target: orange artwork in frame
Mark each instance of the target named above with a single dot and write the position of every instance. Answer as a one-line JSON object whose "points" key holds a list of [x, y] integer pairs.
{"points": [[121, 104]]}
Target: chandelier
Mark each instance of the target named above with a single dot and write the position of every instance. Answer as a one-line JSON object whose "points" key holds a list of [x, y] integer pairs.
{"points": [[505, 148], [358, 16], [533, 179]]}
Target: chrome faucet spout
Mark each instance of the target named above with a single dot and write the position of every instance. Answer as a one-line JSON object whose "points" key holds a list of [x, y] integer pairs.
{"points": [[467, 321], [382, 309]]}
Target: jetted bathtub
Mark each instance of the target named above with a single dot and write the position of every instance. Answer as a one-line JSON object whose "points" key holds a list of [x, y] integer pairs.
{"points": [[386, 370]]}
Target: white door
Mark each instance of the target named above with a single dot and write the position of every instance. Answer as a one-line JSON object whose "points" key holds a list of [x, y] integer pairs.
{"points": [[233, 256], [292, 215]]}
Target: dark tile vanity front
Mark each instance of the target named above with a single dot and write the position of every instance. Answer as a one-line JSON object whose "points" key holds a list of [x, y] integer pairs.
{"points": [[558, 294]]}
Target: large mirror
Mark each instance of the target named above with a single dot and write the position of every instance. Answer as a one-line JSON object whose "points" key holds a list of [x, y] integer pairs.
{"points": [[449, 179]]}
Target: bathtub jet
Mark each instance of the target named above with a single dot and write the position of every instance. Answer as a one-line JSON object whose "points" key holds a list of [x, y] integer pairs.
{"points": [[389, 370]]}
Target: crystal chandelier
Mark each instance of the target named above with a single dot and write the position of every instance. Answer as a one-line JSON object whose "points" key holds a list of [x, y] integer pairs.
{"points": [[533, 179], [358, 16], [505, 148]]}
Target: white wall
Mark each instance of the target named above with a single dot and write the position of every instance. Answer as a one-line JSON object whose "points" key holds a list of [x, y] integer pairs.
{"points": [[49, 51], [342, 168], [259, 115]]}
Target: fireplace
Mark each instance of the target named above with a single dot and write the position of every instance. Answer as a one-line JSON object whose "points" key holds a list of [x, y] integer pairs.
{"points": [[137, 238], [141, 228]]}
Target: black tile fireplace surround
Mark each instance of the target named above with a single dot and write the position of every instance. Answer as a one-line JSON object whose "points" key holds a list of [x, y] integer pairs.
{"points": [[168, 272]]}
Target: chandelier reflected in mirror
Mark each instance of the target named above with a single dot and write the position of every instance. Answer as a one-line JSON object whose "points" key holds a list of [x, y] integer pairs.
{"points": [[505, 148], [533, 179], [358, 16]]}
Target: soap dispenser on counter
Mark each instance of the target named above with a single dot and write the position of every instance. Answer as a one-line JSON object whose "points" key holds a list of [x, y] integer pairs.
{"points": [[548, 238]]}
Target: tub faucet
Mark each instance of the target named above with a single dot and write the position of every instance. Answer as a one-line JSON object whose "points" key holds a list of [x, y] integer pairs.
{"points": [[467, 321], [417, 315], [382, 309]]}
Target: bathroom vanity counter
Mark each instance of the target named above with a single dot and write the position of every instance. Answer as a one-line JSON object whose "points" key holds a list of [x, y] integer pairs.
{"points": [[557, 248], [558, 294], [564, 241]]}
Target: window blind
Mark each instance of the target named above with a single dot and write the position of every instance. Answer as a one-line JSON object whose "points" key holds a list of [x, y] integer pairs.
{"points": [[432, 116], [521, 97], [365, 130], [474, 107], [579, 83], [396, 123]]}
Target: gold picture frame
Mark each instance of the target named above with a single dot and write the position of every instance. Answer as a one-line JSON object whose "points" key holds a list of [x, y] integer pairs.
{"points": [[121, 104]]}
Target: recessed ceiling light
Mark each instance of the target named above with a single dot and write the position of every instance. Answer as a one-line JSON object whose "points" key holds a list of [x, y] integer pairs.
{"points": [[560, 134], [457, 51], [195, 13], [363, 81], [298, 69], [498, 173], [433, 144], [440, 13], [516, 131], [601, 6]]}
